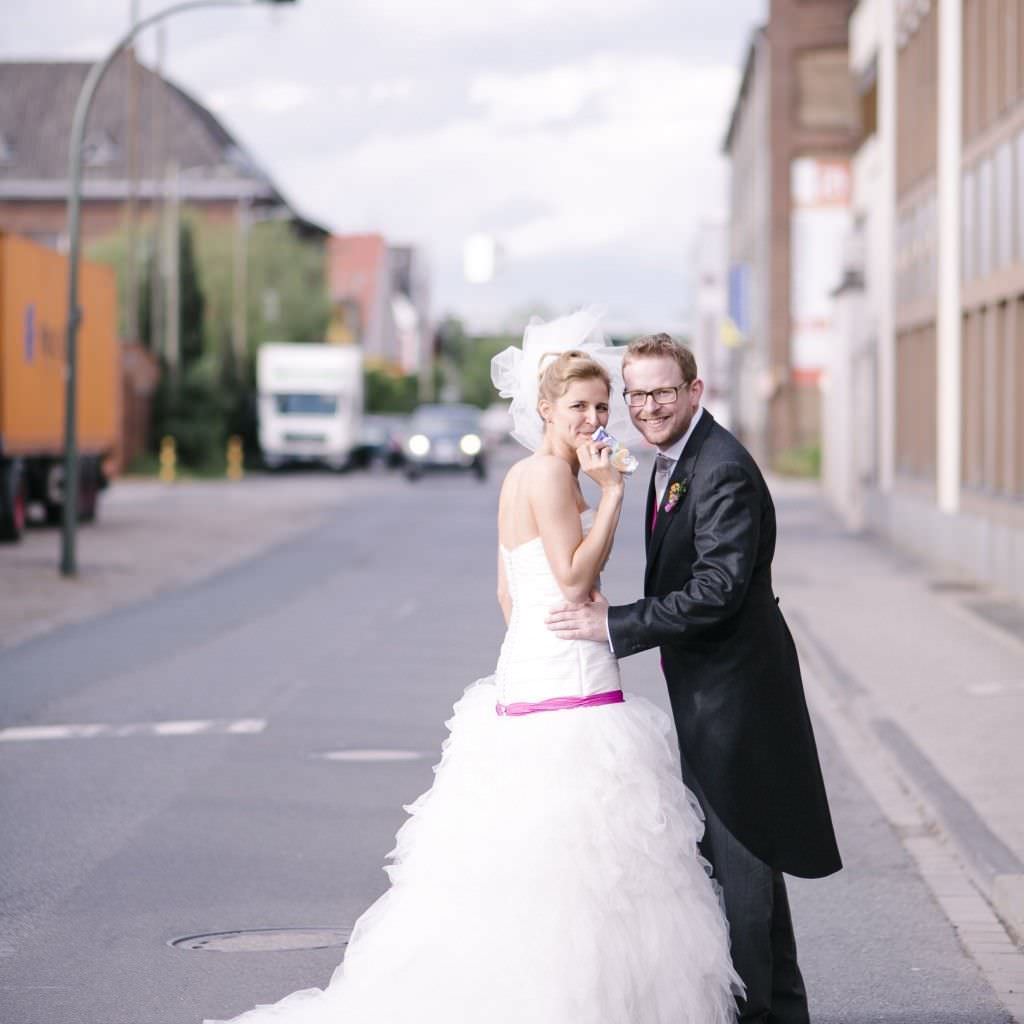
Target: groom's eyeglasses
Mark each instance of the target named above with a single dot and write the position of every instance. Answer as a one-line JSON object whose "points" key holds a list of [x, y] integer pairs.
{"points": [[663, 396]]}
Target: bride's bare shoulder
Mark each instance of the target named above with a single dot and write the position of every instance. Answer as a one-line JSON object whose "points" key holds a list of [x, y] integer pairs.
{"points": [[537, 472], [542, 470], [549, 482]]}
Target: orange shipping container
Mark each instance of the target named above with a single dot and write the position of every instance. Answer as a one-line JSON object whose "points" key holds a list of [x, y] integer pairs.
{"points": [[33, 322]]}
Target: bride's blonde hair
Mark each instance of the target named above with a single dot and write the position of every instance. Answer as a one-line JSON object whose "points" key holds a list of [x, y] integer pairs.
{"points": [[564, 368]]}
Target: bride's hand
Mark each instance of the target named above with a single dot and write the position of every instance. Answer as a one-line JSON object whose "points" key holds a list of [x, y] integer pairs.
{"points": [[595, 461]]}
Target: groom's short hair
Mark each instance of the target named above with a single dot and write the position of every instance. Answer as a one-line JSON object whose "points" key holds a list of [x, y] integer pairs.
{"points": [[662, 345]]}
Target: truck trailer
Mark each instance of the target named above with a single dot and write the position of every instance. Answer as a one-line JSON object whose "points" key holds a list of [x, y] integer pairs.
{"points": [[33, 325], [310, 403]]}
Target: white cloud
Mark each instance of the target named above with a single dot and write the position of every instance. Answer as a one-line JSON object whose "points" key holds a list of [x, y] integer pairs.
{"points": [[636, 163], [268, 97], [584, 134], [396, 90], [555, 94], [451, 18], [602, 157]]}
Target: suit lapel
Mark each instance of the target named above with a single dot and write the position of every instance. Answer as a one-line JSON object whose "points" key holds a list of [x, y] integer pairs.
{"points": [[649, 515], [682, 475]]}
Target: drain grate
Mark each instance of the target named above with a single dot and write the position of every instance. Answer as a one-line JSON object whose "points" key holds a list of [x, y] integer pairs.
{"points": [[264, 940]]}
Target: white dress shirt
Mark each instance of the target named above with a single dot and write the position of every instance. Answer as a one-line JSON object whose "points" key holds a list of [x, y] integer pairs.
{"points": [[673, 451]]}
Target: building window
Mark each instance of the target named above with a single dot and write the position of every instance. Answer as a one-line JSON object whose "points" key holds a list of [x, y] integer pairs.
{"points": [[967, 228], [1015, 401], [993, 426], [1004, 219], [921, 288], [984, 244], [99, 149], [916, 402], [825, 95], [1019, 147], [867, 102], [972, 371]]}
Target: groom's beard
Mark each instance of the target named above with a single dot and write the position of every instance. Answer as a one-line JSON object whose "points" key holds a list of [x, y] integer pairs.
{"points": [[663, 432]]}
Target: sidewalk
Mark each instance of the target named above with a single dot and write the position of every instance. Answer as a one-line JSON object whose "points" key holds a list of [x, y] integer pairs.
{"points": [[916, 661]]}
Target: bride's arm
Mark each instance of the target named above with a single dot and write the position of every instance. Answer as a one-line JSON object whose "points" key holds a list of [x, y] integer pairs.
{"points": [[575, 560], [504, 597]]}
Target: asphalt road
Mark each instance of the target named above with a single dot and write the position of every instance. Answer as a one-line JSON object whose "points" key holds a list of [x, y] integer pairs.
{"points": [[357, 635]]}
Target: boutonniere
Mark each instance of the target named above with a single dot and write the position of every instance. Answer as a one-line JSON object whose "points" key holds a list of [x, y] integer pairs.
{"points": [[675, 494]]}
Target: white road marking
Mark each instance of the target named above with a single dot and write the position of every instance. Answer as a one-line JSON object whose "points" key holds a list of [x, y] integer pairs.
{"points": [[206, 727], [372, 755], [180, 728], [995, 689], [245, 726]]}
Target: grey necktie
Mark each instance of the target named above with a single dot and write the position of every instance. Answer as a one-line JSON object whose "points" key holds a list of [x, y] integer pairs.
{"points": [[663, 466]]}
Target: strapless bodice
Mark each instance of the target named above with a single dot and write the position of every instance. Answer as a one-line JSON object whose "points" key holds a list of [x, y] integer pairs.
{"points": [[534, 664]]}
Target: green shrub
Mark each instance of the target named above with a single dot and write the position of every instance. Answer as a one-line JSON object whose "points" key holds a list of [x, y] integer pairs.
{"points": [[803, 461]]}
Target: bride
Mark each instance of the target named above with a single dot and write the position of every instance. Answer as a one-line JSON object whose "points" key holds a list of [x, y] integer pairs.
{"points": [[550, 875]]}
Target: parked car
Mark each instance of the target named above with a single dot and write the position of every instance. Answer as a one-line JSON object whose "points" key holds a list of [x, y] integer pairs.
{"points": [[445, 437], [380, 441]]}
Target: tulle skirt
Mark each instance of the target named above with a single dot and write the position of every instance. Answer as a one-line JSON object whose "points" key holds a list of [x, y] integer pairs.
{"points": [[550, 875]]}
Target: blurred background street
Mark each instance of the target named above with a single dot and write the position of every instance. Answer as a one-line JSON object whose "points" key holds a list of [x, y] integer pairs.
{"points": [[233, 754], [247, 532]]}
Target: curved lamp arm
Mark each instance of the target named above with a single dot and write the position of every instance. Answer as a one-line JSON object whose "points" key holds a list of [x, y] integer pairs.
{"points": [[68, 565]]}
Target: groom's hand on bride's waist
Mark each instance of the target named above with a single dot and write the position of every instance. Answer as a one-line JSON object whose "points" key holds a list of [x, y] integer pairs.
{"points": [[588, 621]]}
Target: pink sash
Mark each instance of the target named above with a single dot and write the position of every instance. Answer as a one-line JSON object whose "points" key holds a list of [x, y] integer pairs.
{"points": [[561, 703]]}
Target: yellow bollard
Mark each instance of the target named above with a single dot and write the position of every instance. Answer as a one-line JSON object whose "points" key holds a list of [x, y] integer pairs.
{"points": [[168, 460], [235, 457]]}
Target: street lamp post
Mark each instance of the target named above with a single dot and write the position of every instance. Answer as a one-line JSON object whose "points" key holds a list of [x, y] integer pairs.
{"points": [[68, 564]]}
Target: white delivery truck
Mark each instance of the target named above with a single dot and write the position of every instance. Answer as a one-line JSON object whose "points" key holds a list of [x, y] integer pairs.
{"points": [[310, 403]]}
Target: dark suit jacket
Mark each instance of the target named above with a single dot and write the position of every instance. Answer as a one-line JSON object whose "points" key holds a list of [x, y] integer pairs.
{"points": [[729, 660]]}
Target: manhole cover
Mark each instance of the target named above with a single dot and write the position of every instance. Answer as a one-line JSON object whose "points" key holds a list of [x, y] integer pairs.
{"points": [[372, 755], [264, 940]]}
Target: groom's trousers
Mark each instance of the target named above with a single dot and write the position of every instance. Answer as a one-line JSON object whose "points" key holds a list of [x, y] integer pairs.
{"points": [[760, 927]]}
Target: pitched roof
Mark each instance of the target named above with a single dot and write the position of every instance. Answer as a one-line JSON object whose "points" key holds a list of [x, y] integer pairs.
{"points": [[37, 101]]}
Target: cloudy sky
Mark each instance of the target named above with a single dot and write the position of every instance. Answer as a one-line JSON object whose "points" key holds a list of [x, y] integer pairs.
{"points": [[583, 134]]}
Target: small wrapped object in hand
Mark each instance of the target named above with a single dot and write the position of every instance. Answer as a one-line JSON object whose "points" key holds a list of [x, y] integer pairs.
{"points": [[621, 459]]}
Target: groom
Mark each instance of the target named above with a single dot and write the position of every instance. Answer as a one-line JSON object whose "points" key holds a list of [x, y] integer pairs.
{"points": [[747, 746]]}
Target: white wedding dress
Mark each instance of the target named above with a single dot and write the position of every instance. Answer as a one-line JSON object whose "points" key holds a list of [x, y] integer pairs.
{"points": [[550, 875]]}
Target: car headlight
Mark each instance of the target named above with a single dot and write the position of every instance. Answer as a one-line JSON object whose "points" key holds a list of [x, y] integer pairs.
{"points": [[419, 444], [471, 444]]}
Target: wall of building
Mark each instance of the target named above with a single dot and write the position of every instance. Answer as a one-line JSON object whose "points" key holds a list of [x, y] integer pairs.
{"points": [[795, 104], [810, 115], [749, 252], [710, 265], [950, 480]]}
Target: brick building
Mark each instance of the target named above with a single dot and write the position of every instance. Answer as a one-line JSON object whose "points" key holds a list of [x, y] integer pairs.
{"points": [[380, 298], [790, 135]]}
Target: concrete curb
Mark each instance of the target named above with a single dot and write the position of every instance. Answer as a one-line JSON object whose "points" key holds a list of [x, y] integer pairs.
{"points": [[1008, 900]]}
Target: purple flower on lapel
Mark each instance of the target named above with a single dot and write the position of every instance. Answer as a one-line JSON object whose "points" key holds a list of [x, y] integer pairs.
{"points": [[675, 494]]}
